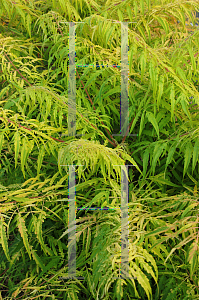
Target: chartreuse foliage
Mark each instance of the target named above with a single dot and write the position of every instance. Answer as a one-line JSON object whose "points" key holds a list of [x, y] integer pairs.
{"points": [[34, 144]]}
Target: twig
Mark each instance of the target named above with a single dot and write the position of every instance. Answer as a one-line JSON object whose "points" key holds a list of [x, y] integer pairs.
{"points": [[113, 143]]}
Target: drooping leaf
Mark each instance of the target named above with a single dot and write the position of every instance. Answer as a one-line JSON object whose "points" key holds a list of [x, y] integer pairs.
{"points": [[153, 121], [3, 238]]}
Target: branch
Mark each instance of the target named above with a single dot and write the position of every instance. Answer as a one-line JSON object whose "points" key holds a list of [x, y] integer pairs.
{"points": [[9, 121], [17, 70]]}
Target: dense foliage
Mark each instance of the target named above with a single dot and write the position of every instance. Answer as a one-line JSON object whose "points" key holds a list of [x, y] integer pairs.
{"points": [[163, 183]]}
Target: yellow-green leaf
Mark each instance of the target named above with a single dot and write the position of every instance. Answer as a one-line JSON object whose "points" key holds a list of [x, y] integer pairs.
{"points": [[120, 15], [40, 158], [129, 11], [184, 106], [23, 233], [143, 64], [181, 73], [28, 22], [160, 90], [3, 237], [1, 141], [172, 97]]}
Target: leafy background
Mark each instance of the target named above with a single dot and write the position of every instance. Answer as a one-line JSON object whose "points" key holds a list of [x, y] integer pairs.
{"points": [[163, 183]]}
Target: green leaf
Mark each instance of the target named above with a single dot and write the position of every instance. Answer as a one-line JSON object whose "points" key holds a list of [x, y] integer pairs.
{"points": [[28, 21], [142, 31], [153, 121], [96, 199], [119, 289], [163, 181], [142, 124], [37, 259], [20, 11], [3, 91], [154, 78], [50, 265], [23, 156], [143, 64], [17, 141], [195, 154], [143, 280], [120, 15], [115, 90], [129, 11], [40, 158], [93, 78], [145, 160], [125, 156], [135, 9], [190, 207], [181, 73], [171, 153], [131, 54], [160, 90], [25, 150], [88, 241], [142, 6], [191, 53], [194, 263], [175, 174], [156, 154], [1, 140], [188, 154], [148, 30], [110, 31], [164, 23], [172, 97], [159, 230], [184, 106]]}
